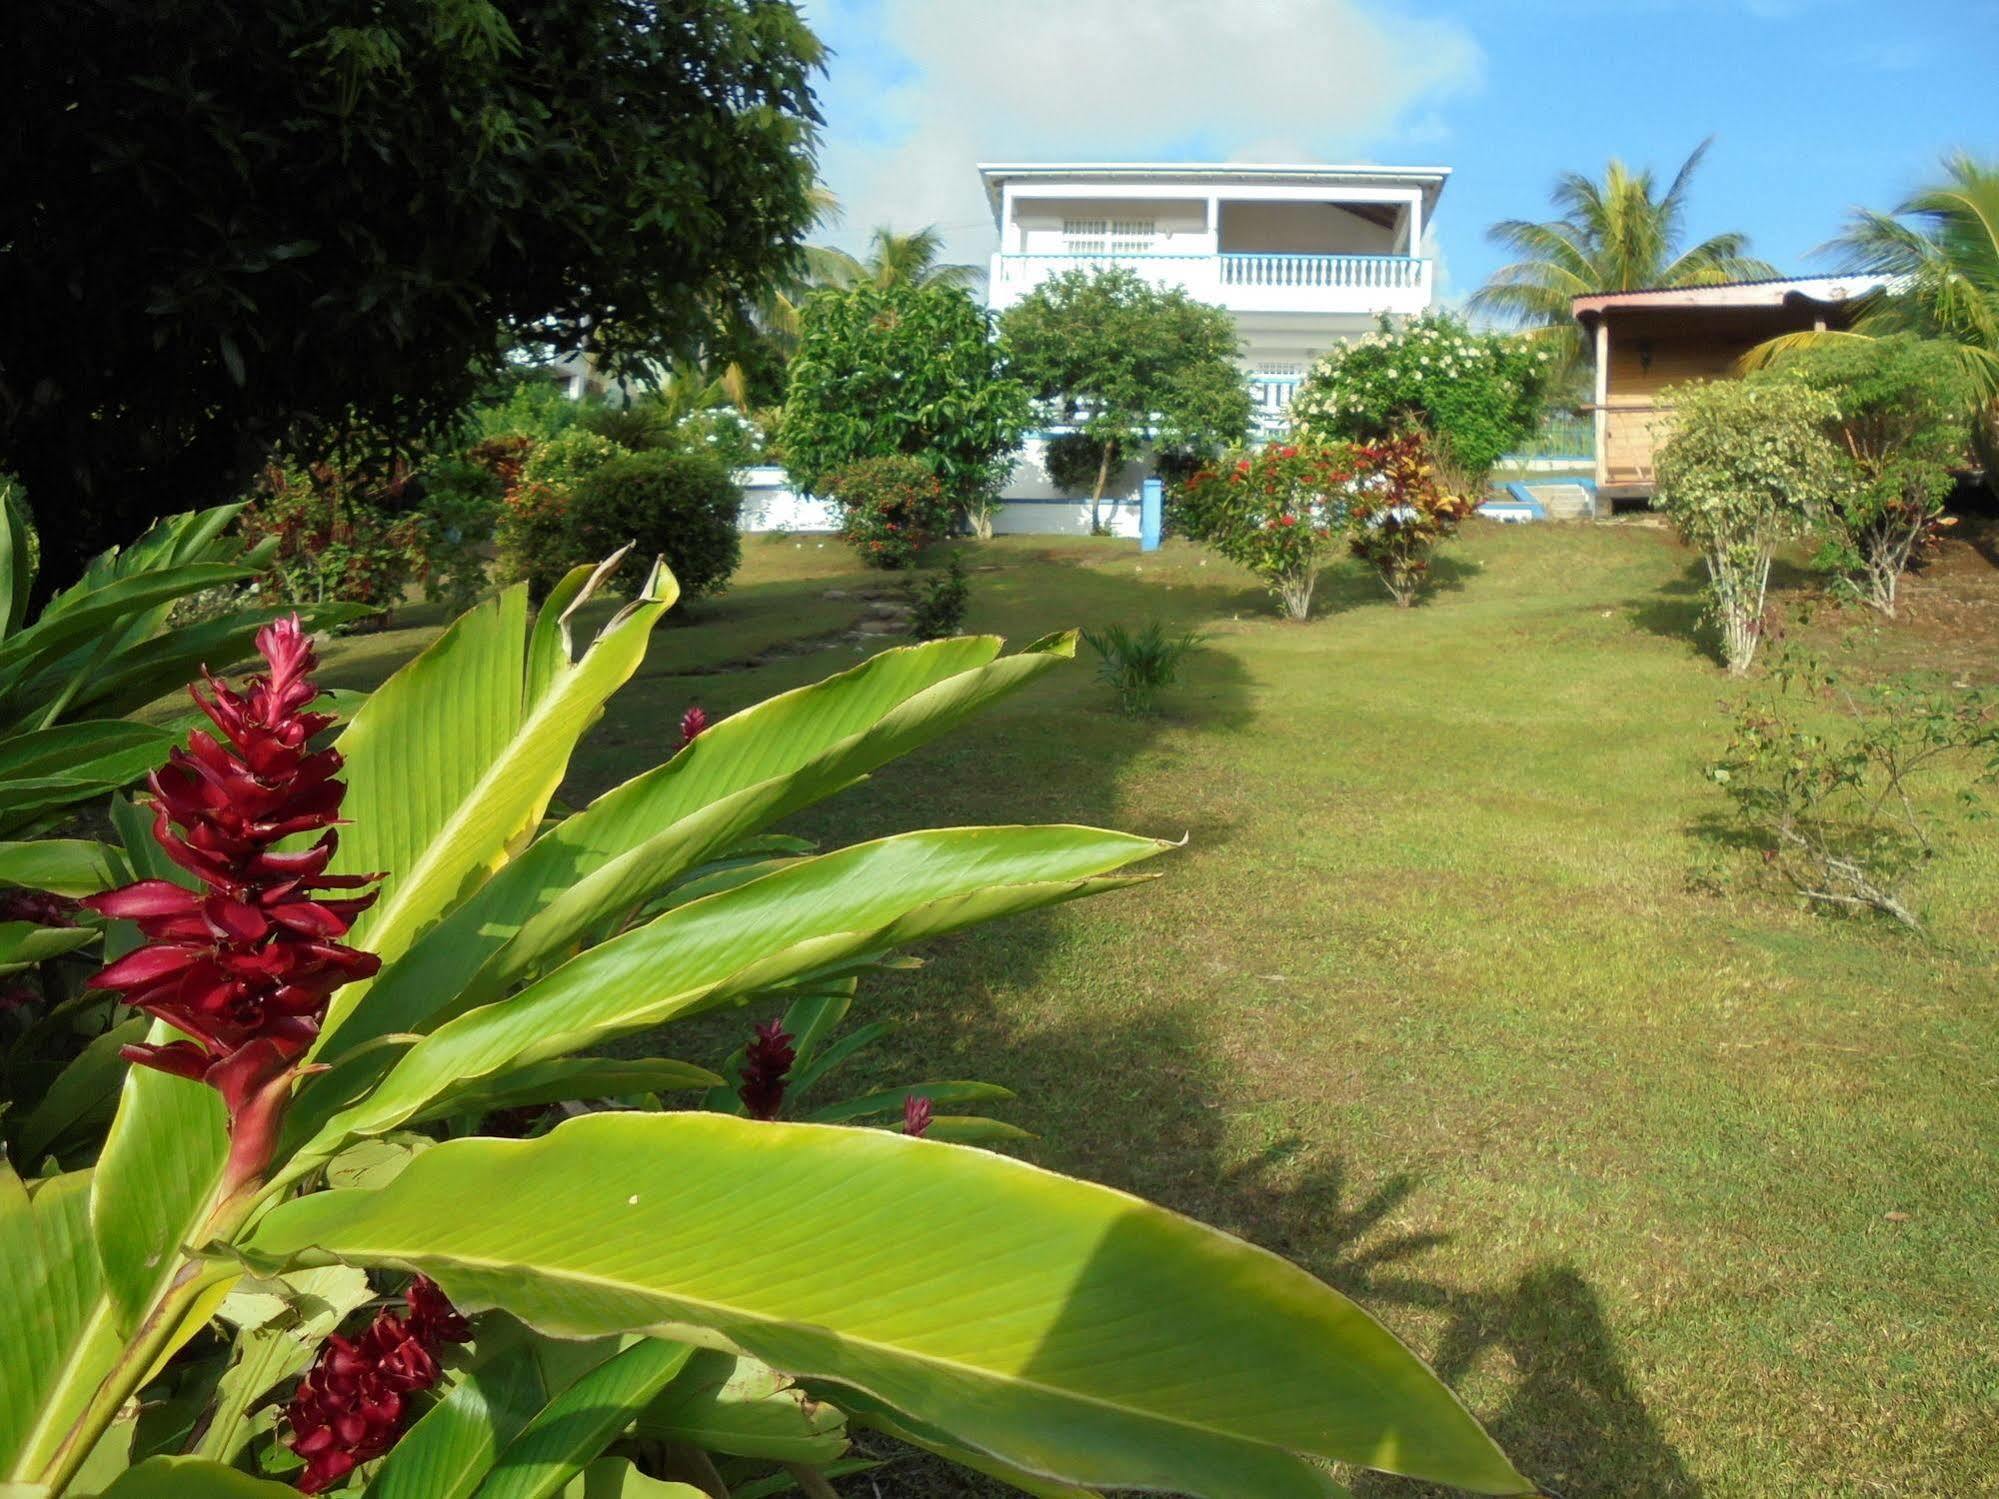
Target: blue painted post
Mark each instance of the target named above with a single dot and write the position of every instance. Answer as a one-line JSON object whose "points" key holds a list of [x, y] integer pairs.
{"points": [[1151, 514]]}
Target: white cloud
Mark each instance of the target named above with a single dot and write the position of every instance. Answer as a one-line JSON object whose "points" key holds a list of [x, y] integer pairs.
{"points": [[956, 82]]}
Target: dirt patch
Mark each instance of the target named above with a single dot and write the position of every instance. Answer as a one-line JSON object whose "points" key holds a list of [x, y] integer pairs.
{"points": [[1948, 615]]}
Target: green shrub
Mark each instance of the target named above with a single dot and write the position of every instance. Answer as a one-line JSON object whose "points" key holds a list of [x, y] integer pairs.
{"points": [[1898, 430], [1478, 394], [1140, 664], [456, 518], [940, 604], [680, 506], [532, 537], [1280, 511], [568, 456], [890, 508], [343, 533], [1747, 463]]}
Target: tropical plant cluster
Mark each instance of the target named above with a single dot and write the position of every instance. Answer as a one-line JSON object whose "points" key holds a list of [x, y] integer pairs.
{"points": [[890, 508], [937, 606], [1407, 505], [1280, 510], [1476, 395], [1140, 663], [384, 1209]]}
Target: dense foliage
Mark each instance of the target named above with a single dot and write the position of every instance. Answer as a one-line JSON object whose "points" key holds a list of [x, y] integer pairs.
{"points": [[340, 533], [903, 371], [680, 506], [229, 225], [1826, 781], [938, 605], [1747, 464], [1075, 463], [1123, 361], [350, 1010], [1402, 511], [1899, 430], [1281, 511], [1476, 395], [890, 508]]}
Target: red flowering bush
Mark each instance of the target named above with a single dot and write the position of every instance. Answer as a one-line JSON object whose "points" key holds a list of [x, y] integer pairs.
{"points": [[890, 509], [242, 964], [1280, 511], [1401, 512], [532, 536], [345, 532]]}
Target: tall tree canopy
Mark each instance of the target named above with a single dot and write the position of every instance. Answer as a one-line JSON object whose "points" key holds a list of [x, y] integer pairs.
{"points": [[1619, 234], [227, 225], [912, 259], [1122, 360], [903, 370]]}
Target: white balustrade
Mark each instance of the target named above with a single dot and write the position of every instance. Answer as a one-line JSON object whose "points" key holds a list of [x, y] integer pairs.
{"points": [[1304, 283]]}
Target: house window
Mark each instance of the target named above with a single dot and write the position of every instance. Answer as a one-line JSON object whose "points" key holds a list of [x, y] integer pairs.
{"points": [[1133, 236], [1085, 236]]}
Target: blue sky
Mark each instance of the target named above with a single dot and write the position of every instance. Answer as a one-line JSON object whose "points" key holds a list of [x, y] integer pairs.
{"points": [[1816, 105]]}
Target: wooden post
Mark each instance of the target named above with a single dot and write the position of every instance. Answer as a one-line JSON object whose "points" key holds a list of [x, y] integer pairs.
{"points": [[1601, 415]]}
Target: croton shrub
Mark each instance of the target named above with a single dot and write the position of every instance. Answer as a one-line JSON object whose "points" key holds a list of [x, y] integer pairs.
{"points": [[304, 1259], [1280, 510], [1402, 512]]}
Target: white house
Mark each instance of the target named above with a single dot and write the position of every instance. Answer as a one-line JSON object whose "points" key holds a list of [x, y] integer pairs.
{"points": [[1303, 256]]}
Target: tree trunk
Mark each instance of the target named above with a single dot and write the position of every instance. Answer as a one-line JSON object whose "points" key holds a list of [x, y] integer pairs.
{"points": [[1097, 494]]}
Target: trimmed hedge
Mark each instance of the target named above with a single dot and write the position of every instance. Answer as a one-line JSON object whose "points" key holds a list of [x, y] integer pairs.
{"points": [[680, 506]]}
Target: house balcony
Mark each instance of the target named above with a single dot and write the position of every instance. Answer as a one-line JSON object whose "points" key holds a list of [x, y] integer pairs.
{"points": [[1319, 285]]}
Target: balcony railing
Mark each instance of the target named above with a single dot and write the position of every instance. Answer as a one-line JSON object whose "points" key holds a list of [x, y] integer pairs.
{"points": [[1301, 282], [1367, 272]]}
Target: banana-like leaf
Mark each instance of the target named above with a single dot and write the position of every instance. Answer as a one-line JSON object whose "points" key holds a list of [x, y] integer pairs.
{"points": [[724, 1402], [576, 1426], [278, 1345], [66, 866], [84, 1091], [1069, 1330], [449, 765], [48, 1301], [741, 774], [24, 944], [453, 1445], [891, 1100], [567, 1078], [193, 1478], [858, 900], [864, 1411], [616, 1478]]}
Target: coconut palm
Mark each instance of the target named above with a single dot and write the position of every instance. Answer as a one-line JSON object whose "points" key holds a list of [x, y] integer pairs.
{"points": [[1619, 234], [892, 260]]}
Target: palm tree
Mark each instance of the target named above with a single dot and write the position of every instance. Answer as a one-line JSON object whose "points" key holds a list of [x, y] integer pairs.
{"points": [[1941, 272], [892, 260], [1615, 235]]}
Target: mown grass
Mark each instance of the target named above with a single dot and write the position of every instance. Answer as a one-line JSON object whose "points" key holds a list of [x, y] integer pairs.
{"points": [[1431, 1003]]}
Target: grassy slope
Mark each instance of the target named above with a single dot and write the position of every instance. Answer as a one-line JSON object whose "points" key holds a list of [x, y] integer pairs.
{"points": [[1429, 1004]]}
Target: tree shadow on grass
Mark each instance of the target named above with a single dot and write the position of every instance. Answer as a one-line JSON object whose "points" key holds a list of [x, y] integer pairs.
{"points": [[1678, 610]]}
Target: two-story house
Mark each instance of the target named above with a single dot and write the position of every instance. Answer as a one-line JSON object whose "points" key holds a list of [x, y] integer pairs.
{"points": [[1303, 256]]}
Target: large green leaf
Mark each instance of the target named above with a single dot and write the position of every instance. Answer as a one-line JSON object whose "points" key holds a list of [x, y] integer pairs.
{"points": [[449, 766], [1070, 1330], [453, 1445], [193, 1478], [743, 773], [49, 1308], [67, 866], [85, 1090], [279, 1329], [724, 1402], [616, 1478], [578, 1424], [808, 915]]}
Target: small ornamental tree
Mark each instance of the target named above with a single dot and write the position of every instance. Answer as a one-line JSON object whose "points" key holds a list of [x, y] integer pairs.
{"points": [[890, 509], [903, 371], [1898, 425], [1747, 463], [351, 955], [1280, 511], [1477, 394], [1400, 512], [1123, 361]]}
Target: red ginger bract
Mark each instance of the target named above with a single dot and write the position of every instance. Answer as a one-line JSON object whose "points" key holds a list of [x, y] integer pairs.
{"points": [[353, 1403], [244, 966]]}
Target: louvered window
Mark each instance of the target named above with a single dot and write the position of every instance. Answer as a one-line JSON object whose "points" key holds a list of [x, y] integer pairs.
{"points": [[1085, 236], [1133, 236]]}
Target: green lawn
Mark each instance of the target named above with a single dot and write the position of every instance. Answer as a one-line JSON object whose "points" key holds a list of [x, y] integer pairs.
{"points": [[1431, 1002]]}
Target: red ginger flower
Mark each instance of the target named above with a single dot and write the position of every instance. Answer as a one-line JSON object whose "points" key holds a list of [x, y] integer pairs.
{"points": [[692, 722], [244, 966], [765, 1065], [915, 1115], [351, 1406]]}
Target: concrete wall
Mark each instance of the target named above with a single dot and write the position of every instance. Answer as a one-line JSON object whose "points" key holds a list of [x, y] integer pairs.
{"points": [[1181, 225], [1300, 229]]}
